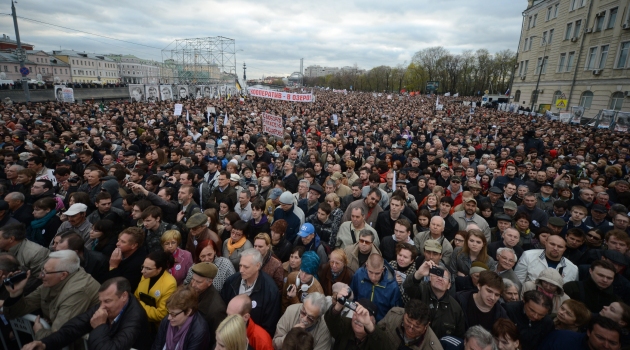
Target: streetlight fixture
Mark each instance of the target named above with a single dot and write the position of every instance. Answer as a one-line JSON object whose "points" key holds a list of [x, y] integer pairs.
{"points": [[540, 68]]}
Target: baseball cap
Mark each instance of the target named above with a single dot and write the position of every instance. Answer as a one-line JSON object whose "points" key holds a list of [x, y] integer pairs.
{"points": [[510, 205], [456, 179], [556, 221], [275, 193], [286, 198], [600, 208], [336, 176], [466, 200], [235, 177], [306, 230], [433, 246], [76, 209]]}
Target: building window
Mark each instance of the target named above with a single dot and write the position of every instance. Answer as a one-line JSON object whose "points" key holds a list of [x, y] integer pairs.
{"points": [[578, 26], [534, 97], [567, 34], [623, 55], [529, 25], [549, 13], [15, 68], [538, 66], [535, 18], [517, 95], [544, 39], [612, 17], [520, 69], [555, 11], [603, 56], [592, 56], [616, 101], [525, 46], [599, 23], [544, 65], [561, 61], [586, 99], [55, 70], [570, 60], [550, 36], [556, 96], [574, 5]]}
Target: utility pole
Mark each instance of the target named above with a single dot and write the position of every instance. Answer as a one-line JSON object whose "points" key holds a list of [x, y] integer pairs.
{"points": [[543, 63], [21, 54], [244, 76]]}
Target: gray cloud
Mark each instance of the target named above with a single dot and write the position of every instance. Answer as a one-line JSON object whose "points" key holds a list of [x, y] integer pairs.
{"points": [[275, 34]]}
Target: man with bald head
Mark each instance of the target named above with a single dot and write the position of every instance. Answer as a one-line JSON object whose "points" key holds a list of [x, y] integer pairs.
{"points": [[256, 335], [435, 232]]}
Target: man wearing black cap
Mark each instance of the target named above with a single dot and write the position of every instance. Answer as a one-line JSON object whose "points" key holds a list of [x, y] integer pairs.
{"points": [[211, 305], [598, 219], [545, 199], [358, 332], [310, 204], [212, 176], [130, 159], [494, 197]]}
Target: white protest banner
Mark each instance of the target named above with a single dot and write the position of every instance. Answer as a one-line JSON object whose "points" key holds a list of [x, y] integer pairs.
{"points": [[565, 117], [64, 94], [279, 95], [578, 112], [272, 124], [606, 119], [335, 119], [178, 109], [389, 97], [622, 122]]}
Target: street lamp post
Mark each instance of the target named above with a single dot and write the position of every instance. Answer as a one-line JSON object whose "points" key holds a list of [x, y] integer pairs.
{"points": [[21, 54], [542, 64]]}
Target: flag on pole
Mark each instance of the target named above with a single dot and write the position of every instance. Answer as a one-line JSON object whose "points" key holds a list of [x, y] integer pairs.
{"points": [[447, 94], [225, 120], [394, 183], [507, 93], [216, 127], [187, 116], [456, 95], [437, 102]]}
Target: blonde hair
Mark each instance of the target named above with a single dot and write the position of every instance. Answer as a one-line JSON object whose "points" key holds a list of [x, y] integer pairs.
{"points": [[341, 254], [232, 333], [335, 198], [265, 237], [171, 234]]}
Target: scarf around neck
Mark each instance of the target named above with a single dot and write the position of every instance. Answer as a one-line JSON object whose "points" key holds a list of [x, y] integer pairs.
{"points": [[175, 337], [234, 246]]}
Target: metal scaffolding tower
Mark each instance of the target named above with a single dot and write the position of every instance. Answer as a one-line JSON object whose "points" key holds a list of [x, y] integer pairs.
{"points": [[208, 60]]}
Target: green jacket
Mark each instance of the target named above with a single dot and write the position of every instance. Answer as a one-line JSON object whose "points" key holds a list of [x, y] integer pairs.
{"points": [[59, 304], [340, 328], [392, 322]]}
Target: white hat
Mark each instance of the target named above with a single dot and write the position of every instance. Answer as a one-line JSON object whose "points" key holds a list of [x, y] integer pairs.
{"points": [[286, 198], [76, 209], [235, 177]]}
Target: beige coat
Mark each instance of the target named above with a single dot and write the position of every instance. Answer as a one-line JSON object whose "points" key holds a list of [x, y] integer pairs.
{"points": [[352, 251], [60, 303], [32, 256], [290, 318], [394, 319]]}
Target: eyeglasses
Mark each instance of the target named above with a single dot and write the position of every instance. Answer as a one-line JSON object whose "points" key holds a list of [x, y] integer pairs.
{"points": [[310, 318], [43, 272], [174, 314], [361, 240]]}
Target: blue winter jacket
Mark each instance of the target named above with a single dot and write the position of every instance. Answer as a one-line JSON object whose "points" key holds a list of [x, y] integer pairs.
{"points": [[293, 222], [385, 295]]}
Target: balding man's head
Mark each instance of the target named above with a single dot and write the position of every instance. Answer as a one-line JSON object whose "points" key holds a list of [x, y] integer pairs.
{"points": [[240, 305]]}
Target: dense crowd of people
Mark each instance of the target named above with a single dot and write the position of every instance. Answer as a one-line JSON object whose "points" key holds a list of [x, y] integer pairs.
{"points": [[371, 223]]}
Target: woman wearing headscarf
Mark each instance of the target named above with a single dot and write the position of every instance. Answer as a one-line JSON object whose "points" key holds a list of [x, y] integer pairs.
{"points": [[299, 284]]}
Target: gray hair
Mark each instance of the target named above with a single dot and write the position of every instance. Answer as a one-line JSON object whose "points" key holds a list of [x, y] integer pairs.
{"points": [[440, 219], [290, 162], [67, 260], [304, 181], [17, 167], [255, 254], [16, 196], [360, 209], [508, 283], [482, 336], [366, 233], [318, 300], [331, 182], [524, 186], [506, 249]]}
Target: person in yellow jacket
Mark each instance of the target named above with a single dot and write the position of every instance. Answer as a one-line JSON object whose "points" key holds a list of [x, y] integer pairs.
{"points": [[156, 286]]}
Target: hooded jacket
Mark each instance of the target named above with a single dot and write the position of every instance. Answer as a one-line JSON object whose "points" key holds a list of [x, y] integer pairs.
{"points": [[112, 187], [384, 295], [293, 220], [550, 276]]}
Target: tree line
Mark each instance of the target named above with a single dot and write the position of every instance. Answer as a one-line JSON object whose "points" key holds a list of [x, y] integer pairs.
{"points": [[466, 73]]}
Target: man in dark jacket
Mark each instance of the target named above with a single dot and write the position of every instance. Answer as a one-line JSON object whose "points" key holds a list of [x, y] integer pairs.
{"points": [[93, 262], [386, 219], [597, 290], [481, 307], [211, 306], [118, 322], [448, 317], [531, 317], [538, 216], [223, 192], [260, 287], [128, 257]]}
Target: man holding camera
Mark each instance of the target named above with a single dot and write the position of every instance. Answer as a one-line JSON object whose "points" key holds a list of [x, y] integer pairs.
{"points": [[448, 318], [359, 332]]}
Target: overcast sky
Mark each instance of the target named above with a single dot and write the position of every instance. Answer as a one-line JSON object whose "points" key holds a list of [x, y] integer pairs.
{"points": [[273, 35]]}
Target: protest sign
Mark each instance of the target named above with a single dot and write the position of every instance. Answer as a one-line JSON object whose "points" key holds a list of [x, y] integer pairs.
{"points": [[272, 124], [565, 117], [64, 94], [281, 95], [178, 109]]}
